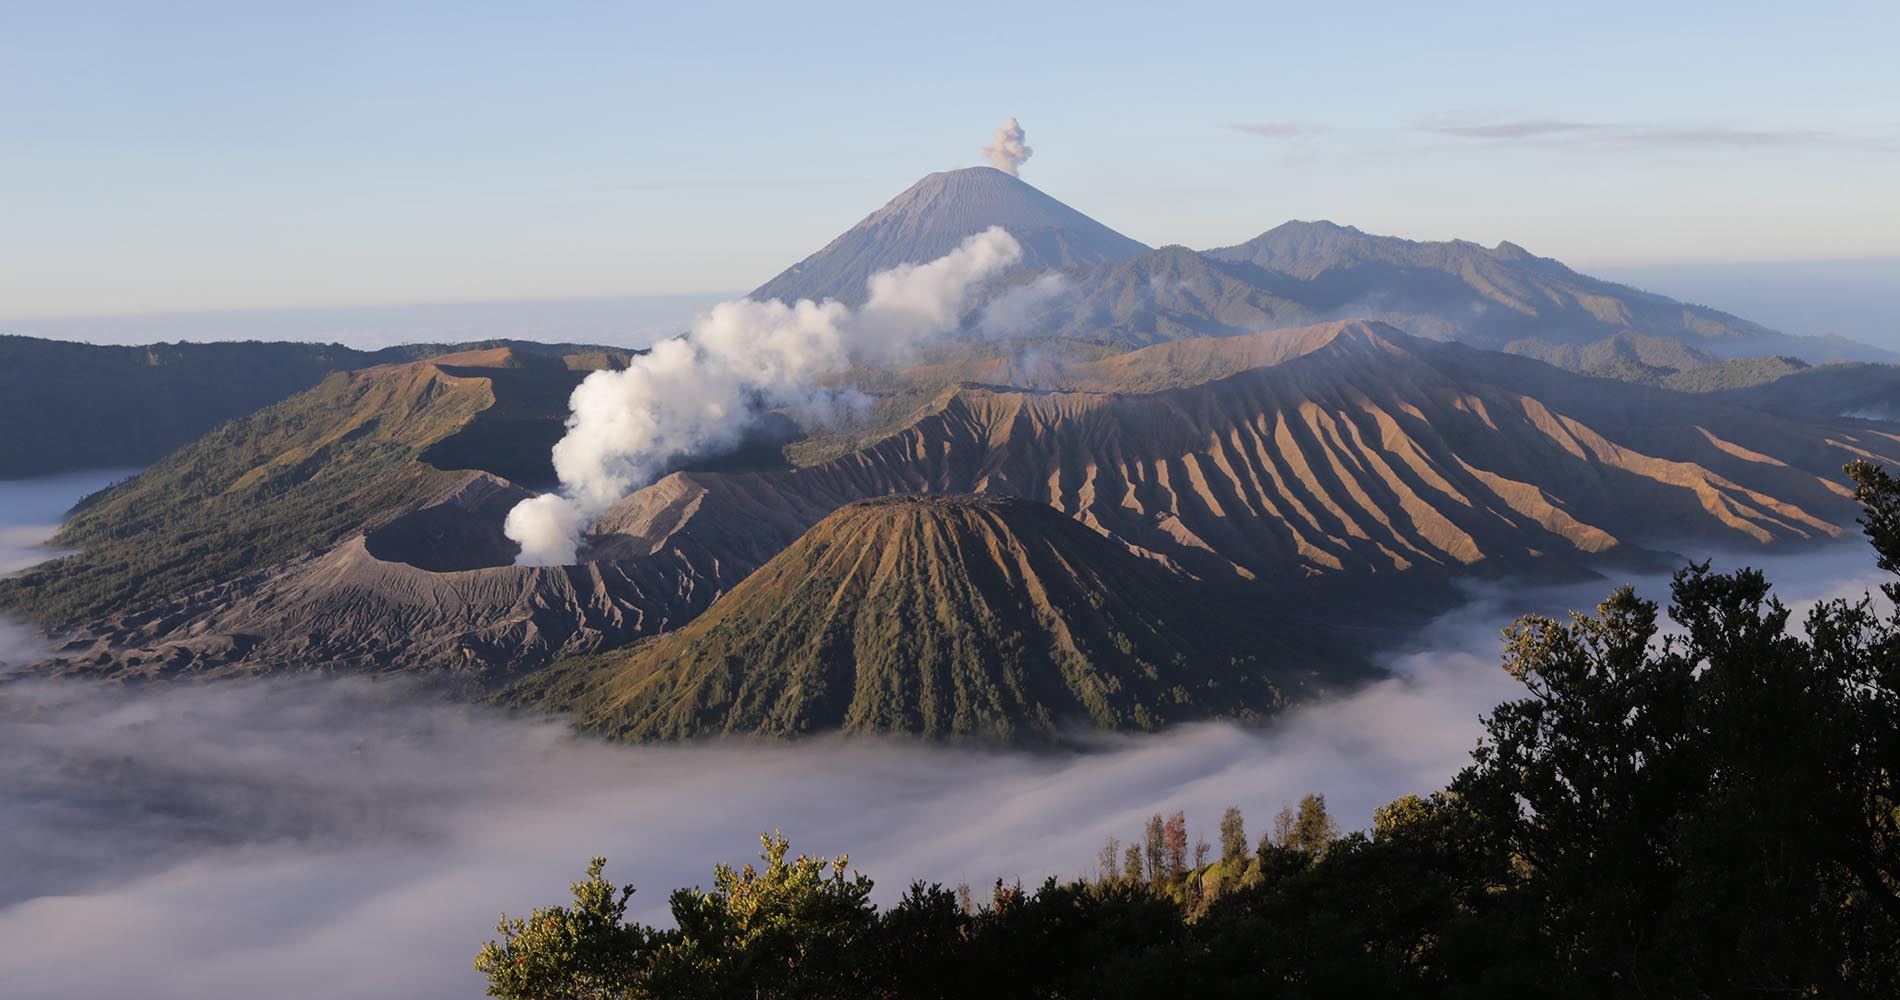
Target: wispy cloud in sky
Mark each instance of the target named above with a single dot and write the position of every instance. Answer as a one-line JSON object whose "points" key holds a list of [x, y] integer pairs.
{"points": [[1573, 134], [1527, 129], [1280, 129]]}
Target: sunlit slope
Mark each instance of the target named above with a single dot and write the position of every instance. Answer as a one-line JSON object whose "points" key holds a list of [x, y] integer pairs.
{"points": [[1342, 448], [947, 616]]}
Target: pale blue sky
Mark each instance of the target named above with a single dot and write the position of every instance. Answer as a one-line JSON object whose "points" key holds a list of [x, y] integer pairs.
{"points": [[179, 155]]}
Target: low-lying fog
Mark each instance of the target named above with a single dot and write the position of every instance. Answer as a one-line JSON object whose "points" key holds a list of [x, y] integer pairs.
{"points": [[346, 839]]}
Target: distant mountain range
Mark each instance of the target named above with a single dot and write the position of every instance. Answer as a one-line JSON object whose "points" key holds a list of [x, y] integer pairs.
{"points": [[1113, 288], [1159, 497], [83, 406]]}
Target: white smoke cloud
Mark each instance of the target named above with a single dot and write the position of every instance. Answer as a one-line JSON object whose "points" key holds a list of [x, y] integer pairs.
{"points": [[698, 394], [1006, 151], [1016, 310]]}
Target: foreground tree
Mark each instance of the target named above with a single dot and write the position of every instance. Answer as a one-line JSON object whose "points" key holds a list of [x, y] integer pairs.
{"points": [[583, 952], [1710, 812], [1174, 845], [794, 928], [1233, 836]]}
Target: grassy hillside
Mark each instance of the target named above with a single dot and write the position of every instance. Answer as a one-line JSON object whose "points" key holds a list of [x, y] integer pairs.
{"points": [[1719, 376]]}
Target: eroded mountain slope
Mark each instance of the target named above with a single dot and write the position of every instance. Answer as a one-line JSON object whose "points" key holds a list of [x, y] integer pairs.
{"points": [[1344, 452], [948, 616], [1350, 447]]}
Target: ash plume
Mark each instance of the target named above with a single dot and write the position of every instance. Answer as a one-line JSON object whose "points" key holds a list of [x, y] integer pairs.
{"points": [[1006, 151], [698, 394]]}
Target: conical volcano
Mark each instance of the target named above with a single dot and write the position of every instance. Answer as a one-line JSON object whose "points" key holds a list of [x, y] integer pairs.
{"points": [[951, 617], [939, 212]]}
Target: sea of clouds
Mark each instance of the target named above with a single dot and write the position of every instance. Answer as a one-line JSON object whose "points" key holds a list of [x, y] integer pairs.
{"points": [[341, 838]]}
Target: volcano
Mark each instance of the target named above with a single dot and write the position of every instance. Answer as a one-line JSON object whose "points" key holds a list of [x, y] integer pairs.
{"points": [[933, 217], [948, 616]]}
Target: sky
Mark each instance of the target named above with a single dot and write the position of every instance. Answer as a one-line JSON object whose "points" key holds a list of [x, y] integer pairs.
{"points": [[210, 156]]}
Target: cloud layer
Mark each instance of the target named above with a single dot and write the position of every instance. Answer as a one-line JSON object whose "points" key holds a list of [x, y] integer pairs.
{"points": [[1638, 135], [331, 839]]}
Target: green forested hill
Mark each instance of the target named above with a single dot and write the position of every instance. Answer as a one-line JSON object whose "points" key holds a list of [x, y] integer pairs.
{"points": [[1718, 376]]}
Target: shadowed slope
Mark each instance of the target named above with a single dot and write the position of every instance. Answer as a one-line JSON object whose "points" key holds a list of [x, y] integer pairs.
{"points": [[1823, 392], [1484, 296], [80, 406], [946, 616], [1166, 294], [1301, 273]]}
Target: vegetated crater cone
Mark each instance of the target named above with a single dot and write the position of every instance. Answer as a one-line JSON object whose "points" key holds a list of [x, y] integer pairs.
{"points": [[933, 217], [978, 617]]}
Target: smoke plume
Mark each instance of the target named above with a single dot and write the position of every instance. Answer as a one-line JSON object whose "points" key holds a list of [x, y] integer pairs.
{"points": [[1006, 151], [698, 394]]}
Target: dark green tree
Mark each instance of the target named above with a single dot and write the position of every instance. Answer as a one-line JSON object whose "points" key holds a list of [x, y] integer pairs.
{"points": [[1701, 813], [792, 928], [583, 952], [1313, 829], [1233, 836]]}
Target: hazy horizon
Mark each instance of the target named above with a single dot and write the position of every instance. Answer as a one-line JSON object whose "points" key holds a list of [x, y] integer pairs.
{"points": [[1850, 298], [216, 156], [616, 321]]}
